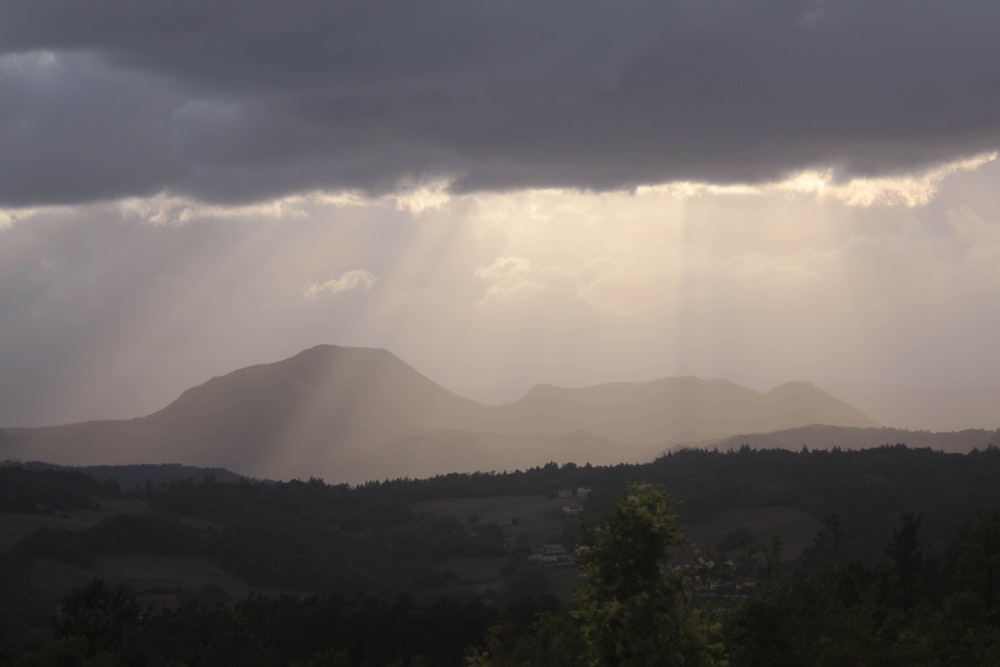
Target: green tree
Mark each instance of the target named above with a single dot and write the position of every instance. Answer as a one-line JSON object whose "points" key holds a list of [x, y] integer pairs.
{"points": [[633, 608]]}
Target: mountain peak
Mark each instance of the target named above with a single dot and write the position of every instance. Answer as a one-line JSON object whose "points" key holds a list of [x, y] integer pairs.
{"points": [[671, 410], [329, 409], [327, 349], [794, 386]]}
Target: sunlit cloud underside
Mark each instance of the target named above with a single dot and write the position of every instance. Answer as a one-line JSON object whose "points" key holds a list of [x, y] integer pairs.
{"points": [[805, 278]]}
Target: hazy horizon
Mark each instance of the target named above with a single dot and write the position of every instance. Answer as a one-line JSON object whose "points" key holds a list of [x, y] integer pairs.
{"points": [[502, 196], [892, 405]]}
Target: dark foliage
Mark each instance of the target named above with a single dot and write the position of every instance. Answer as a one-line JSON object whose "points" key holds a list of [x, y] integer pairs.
{"points": [[103, 622], [47, 491], [909, 609], [905, 572]]}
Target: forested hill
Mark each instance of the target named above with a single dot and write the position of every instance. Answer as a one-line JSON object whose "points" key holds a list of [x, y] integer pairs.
{"points": [[140, 474], [867, 489], [478, 535], [846, 437]]}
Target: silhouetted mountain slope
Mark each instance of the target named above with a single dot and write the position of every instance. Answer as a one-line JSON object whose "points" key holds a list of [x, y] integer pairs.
{"points": [[108, 442], [301, 416], [828, 437], [421, 456], [924, 408], [350, 414], [317, 408], [673, 410]]}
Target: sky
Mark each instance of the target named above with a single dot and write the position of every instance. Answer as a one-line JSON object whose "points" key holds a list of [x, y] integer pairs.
{"points": [[502, 193]]}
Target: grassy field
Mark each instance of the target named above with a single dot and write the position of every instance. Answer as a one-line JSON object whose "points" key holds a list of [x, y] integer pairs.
{"points": [[492, 509], [527, 516], [536, 519], [145, 574], [14, 527], [110, 506]]}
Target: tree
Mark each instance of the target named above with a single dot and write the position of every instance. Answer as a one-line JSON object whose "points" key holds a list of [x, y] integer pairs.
{"points": [[108, 618], [633, 608], [906, 557], [975, 562]]}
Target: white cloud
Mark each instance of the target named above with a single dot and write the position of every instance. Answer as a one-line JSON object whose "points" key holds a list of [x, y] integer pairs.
{"points": [[164, 209], [909, 191], [348, 281], [418, 200], [11, 216], [906, 190], [536, 207], [507, 276], [173, 210]]}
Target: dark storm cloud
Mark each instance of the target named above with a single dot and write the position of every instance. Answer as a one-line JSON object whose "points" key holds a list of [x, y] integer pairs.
{"points": [[233, 101], [75, 131]]}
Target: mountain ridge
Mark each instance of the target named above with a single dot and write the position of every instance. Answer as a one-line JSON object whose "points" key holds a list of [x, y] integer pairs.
{"points": [[336, 411], [827, 437]]}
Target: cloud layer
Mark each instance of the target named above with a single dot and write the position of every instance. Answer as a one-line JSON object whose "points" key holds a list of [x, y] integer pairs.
{"points": [[103, 315], [348, 281], [229, 103]]}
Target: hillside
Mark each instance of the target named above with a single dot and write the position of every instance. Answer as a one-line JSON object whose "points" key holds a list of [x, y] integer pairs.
{"points": [[352, 414], [421, 456], [298, 417], [924, 408], [828, 437], [141, 474], [296, 559], [309, 414], [672, 410]]}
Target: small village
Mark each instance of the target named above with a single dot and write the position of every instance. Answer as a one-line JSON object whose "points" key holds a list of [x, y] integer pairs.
{"points": [[707, 577]]}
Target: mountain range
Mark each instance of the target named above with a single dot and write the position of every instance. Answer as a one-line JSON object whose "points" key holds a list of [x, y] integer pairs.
{"points": [[922, 408], [351, 414], [819, 436]]}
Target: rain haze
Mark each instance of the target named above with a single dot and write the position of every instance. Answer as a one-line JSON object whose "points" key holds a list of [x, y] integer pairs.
{"points": [[502, 194]]}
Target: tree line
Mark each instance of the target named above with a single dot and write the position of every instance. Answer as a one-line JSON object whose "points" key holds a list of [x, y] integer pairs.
{"points": [[631, 609]]}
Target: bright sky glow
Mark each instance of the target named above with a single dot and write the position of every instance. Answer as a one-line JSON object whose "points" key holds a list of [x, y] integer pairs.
{"points": [[491, 293]]}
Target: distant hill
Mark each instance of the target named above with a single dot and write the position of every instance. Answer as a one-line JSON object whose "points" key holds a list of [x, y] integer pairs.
{"points": [[301, 416], [351, 414], [828, 437], [129, 476], [673, 410], [924, 408], [431, 454]]}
